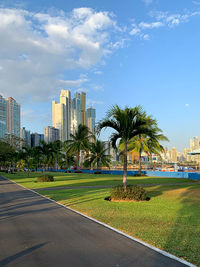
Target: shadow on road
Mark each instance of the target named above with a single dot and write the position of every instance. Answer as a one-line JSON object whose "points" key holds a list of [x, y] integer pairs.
{"points": [[22, 253]]}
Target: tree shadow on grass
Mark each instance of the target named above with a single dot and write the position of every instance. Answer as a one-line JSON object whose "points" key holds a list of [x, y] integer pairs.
{"points": [[184, 239]]}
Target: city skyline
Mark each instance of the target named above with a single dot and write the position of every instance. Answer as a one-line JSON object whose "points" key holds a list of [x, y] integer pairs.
{"points": [[138, 53]]}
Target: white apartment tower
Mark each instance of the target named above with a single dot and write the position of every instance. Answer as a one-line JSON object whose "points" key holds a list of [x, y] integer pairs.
{"points": [[51, 134], [61, 114]]}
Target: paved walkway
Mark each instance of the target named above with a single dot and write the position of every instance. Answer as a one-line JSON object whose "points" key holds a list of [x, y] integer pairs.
{"points": [[107, 186], [35, 231]]}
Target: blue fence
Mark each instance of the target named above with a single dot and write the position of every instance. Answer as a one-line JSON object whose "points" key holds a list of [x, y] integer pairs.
{"points": [[187, 175]]}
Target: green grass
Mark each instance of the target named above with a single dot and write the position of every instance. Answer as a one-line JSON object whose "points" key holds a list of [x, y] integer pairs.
{"points": [[170, 220], [78, 179]]}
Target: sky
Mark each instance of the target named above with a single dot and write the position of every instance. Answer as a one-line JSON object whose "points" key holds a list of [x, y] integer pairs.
{"points": [[131, 52]]}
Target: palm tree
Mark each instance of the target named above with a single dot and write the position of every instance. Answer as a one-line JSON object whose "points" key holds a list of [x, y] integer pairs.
{"points": [[28, 154], [127, 123], [97, 155], [80, 141], [147, 144], [46, 153]]}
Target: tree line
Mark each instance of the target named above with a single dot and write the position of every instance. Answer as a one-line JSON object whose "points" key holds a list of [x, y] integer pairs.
{"points": [[133, 130]]}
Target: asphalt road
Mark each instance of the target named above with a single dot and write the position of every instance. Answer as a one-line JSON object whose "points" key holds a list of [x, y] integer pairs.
{"points": [[34, 231]]}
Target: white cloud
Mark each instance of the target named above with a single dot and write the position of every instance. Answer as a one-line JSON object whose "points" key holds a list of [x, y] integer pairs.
{"points": [[147, 2], [161, 19], [187, 105], [151, 25], [98, 72], [146, 37], [37, 48], [91, 102], [73, 83]]}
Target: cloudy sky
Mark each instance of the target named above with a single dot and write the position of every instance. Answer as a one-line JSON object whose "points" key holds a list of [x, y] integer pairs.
{"points": [[134, 52]]}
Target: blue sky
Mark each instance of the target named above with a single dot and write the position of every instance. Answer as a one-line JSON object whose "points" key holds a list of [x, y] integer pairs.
{"points": [[120, 52]]}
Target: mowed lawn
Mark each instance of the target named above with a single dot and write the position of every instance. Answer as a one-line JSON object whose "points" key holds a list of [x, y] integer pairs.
{"points": [[81, 179], [170, 220]]}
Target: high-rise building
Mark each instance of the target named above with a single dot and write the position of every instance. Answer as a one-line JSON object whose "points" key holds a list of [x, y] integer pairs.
{"points": [[36, 139], [61, 115], [65, 98], [91, 119], [174, 154], [69, 113], [51, 134], [83, 105], [75, 113], [3, 117], [25, 136], [13, 117]]}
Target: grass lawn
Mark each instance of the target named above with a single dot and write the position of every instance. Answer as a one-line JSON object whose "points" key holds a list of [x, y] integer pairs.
{"points": [[80, 179], [170, 220]]}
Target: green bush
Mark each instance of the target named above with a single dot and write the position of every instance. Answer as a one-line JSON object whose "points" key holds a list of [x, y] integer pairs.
{"points": [[137, 193], [45, 178]]}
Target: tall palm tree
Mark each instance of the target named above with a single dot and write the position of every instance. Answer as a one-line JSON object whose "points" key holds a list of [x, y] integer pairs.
{"points": [[28, 154], [127, 123], [80, 141], [97, 155], [46, 153]]}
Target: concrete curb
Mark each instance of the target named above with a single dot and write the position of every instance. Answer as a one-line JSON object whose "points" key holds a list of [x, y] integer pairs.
{"points": [[112, 228]]}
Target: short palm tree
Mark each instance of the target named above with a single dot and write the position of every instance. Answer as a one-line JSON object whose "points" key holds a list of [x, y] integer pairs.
{"points": [[127, 123], [97, 155], [148, 144], [80, 141]]}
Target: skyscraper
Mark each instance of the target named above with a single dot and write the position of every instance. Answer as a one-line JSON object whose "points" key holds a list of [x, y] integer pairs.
{"points": [[51, 134], [61, 114], [174, 155], [26, 136], [36, 139], [75, 113], [13, 117], [3, 116], [83, 105], [91, 119]]}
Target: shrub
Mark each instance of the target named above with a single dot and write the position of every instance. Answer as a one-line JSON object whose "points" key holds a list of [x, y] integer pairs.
{"points": [[137, 193], [78, 171], [139, 175], [45, 178]]}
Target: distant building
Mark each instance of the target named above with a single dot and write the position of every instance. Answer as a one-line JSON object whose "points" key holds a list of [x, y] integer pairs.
{"points": [[83, 105], [36, 139], [26, 136], [3, 117], [13, 117], [51, 134], [69, 113], [174, 155], [91, 119]]}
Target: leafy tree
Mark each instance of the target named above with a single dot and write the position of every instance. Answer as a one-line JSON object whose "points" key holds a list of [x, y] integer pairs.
{"points": [[97, 155], [127, 123]]}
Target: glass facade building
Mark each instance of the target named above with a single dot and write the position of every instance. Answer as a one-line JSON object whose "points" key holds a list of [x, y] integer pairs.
{"points": [[3, 117]]}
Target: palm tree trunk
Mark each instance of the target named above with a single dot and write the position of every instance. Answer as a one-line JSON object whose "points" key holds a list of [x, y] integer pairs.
{"points": [[125, 166], [78, 159], [140, 163]]}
